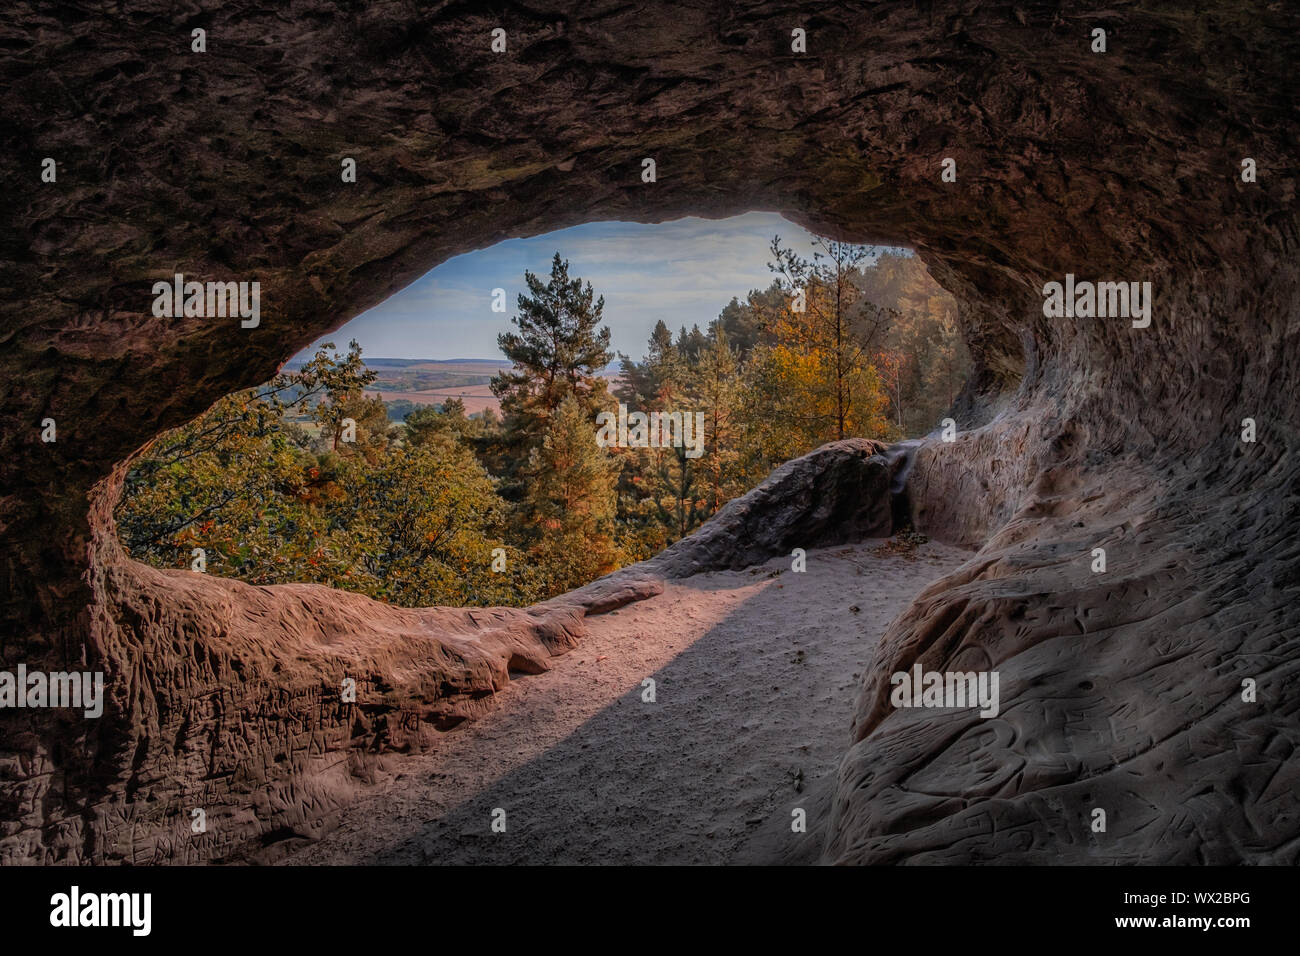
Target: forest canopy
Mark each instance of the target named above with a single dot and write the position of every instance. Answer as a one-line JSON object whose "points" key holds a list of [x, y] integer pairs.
{"points": [[314, 478]]}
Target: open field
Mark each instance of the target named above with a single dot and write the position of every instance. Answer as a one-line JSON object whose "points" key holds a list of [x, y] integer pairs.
{"points": [[475, 397], [433, 381]]}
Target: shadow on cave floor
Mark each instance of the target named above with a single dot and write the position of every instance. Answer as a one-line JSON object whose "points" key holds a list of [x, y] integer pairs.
{"points": [[755, 675]]}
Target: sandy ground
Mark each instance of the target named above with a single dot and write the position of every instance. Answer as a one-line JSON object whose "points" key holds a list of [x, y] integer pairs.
{"points": [[755, 677]]}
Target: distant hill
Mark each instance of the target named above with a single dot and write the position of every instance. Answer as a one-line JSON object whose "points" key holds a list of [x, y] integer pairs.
{"points": [[491, 365], [405, 383]]}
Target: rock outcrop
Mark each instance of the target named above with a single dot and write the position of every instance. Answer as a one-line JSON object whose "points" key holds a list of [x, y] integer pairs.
{"points": [[1120, 691], [840, 492]]}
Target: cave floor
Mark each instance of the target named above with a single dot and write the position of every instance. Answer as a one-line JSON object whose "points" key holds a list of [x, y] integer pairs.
{"points": [[755, 675]]}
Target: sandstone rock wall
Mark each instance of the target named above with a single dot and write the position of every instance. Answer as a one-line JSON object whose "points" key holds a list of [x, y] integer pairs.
{"points": [[1119, 690]]}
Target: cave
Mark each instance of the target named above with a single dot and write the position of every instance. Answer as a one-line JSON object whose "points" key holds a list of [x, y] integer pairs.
{"points": [[1167, 156]]}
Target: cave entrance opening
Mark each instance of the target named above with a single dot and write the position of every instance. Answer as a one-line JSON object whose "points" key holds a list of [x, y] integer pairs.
{"points": [[488, 435]]}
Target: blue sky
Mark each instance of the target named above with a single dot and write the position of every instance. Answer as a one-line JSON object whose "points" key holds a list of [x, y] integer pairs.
{"points": [[683, 272]]}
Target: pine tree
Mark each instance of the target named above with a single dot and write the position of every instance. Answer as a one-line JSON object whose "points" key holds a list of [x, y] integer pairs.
{"points": [[559, 350], [675, 480], [644, 382], [570, 499], [717, 389], [747, 323], [691, 344]]}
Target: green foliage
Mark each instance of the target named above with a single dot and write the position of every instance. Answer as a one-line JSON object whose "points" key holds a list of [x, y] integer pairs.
{"points": [[570, 500], [558, 350], [309, 479], [419, 528], [226, 482], [822, 350], [923, 358], [270, 503], [428, 422]]}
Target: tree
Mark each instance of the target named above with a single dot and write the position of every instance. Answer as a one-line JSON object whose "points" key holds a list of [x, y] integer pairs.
{"points": [[822, 347], [691, 344], [360, 425], [664, 367], [558, 352], [559, 349], [224, 482], [429, 421], [747, 323], [420, 527], [890, 363], [949, 364], [925, 333], [716, 385], [415, 525], [641, 381], [674, 490], [571, 499], [339, 385], [696, 374]]}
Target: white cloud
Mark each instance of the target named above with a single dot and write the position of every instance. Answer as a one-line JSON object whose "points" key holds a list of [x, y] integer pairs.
{"points": [[683, 272]]}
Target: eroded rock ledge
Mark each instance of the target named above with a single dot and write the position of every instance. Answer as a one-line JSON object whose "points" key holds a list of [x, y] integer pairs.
{"points": [[242, 711]]}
